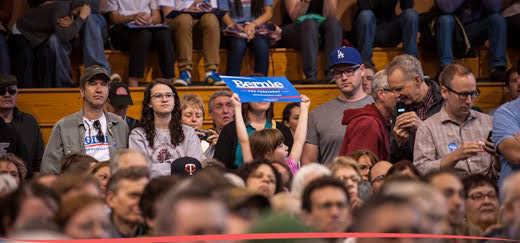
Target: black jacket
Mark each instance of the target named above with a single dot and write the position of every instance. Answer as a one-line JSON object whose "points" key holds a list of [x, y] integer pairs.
{"points": [[10, 141], [228, 141], [28, 129], [406, 152]]}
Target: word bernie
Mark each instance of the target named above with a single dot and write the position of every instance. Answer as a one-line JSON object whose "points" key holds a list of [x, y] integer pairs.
{"points": [[258, 84]]}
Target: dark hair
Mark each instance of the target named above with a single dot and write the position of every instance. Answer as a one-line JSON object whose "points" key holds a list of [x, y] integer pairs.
{"points": [[477, 180], [268, 116], [73, 181], [286, 114], [77, 163], [509, 73], [450, 71], [153, 192], [148, 116], [319, 183], [402, 166], [131, 173], [257, 8], [286, 167], [249, 168]]}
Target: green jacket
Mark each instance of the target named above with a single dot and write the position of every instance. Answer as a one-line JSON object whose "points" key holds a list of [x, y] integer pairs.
{"points": [[67, 137]]}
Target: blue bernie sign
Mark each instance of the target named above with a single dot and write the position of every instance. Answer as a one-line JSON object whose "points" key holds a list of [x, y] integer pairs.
{"points": [[262, 89]]}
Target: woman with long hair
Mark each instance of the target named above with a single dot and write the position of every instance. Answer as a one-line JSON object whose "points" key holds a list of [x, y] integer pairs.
{"points": [[160, 133]]}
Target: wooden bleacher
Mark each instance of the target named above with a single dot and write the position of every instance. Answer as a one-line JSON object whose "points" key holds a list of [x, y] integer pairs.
{"points": [[50, 105]]}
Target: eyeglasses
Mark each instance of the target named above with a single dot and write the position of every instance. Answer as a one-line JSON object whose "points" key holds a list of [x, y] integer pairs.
{"points": [[160, 96], [100, 136], [464, 95], [8, 91], [329, 205], [348, 71], [378, 179], [480, 196]]}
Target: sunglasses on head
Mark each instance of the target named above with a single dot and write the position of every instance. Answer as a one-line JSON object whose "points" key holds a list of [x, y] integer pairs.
{"points": [[7, 90]]}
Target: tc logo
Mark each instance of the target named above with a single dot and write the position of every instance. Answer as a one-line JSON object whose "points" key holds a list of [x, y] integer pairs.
{"points": [[190, 168], [340, 54], [3, 148]]}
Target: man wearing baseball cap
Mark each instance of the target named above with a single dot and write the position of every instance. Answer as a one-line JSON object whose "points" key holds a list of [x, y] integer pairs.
{"points": [[119, 99], [24, 125], [90, 131], [324, 136]]}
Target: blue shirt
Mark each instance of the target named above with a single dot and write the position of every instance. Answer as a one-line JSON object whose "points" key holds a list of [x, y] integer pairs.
{"points": [[506, 122], [247, 16]]}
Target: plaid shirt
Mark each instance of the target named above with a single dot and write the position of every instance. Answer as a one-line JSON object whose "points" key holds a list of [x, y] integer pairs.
{"points": [[439, 136], [422, 108]]}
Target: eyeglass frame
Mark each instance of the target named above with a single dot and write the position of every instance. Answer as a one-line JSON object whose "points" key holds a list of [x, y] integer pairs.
{"points": [[9, 91], [349, 72], [161, 96], [474, 95]]}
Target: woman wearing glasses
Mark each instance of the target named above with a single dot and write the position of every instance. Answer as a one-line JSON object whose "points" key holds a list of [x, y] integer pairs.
{"points": [[160, 133]]}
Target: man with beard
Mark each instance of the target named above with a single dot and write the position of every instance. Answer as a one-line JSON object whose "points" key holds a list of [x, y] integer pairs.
{"points": [[481, 202], [456, 137], [325, 205], [451, 187], [90, 131]]}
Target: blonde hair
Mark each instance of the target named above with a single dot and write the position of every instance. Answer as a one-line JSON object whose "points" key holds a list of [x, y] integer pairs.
{"points": [[342, 162], [192, 101]]}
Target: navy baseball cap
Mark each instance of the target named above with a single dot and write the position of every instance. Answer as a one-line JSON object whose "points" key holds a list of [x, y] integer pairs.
{"points": [[344, 55], [185, 166]]}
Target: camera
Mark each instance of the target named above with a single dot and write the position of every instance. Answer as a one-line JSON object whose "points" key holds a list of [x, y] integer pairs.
{"points": [[203, 134]]}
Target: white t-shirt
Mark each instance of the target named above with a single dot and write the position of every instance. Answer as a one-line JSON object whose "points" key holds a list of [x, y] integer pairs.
{"points": [[94, 147], [131, 7], [182, 4]]}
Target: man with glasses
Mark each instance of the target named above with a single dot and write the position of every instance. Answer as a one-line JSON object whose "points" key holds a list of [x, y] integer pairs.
{"points": [[325, 205], [377, 174], [22, 124], [90, 131], [368, 127], [457, 136], [325, 131], [420, 97], [510, 210]]}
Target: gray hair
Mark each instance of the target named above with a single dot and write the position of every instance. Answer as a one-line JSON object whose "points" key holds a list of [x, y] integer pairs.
{"points": [[216, 95], [409, 66], [114, 162], [299, 181], [380, 83]]}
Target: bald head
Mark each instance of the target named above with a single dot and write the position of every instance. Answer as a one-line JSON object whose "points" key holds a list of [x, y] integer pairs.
{"points": [[377, 174]]}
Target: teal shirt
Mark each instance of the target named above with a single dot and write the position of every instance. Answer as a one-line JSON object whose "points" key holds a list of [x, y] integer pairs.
{"points": [[239, 160]]}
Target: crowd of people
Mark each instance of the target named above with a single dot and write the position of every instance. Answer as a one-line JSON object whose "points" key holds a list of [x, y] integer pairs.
{"points": [[412, 156], [395, 152], [36, 43]]}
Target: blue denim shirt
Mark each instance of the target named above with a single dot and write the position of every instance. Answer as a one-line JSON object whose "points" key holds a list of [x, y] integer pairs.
{"points": [[506, 122]]}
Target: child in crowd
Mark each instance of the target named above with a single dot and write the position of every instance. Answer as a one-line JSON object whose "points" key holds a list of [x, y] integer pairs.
{"points": [[246, 16], [192, 110], [268, 144], [183, 26]]}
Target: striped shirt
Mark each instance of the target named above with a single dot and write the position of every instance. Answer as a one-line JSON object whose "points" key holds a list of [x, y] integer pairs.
{"points": [[440, 135]]}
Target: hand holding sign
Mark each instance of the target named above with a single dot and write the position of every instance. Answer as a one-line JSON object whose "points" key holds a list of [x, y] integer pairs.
{"points": [[262, 89]]}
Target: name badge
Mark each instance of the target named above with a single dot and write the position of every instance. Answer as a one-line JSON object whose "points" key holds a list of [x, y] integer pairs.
{"points": [[452, 147]]}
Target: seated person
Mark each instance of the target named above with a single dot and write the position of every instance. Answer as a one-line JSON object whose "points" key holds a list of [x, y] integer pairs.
{"points": [[311, 21], [119, 99], [138, 39], [377, 25], [482, 21], [248, 22], [48, 29], [182, 27], [6, 7], [512, 15]]}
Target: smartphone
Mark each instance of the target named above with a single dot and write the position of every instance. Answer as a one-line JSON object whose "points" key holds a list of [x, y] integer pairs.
{"points": [[203, 135], [489, 136], [400, 107]]}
